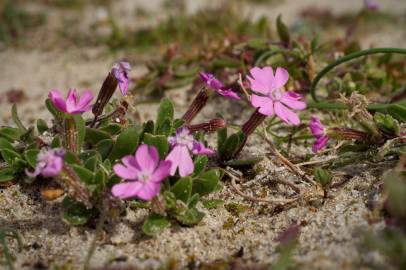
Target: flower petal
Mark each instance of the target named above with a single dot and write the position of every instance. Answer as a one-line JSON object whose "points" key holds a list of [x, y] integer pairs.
{"points": [[126, 190], [292, 102], [174, 158], [125, 172], [147, 158], [84, 102], [320, 143], [148, 190], [261, 79], [186, 166], [57, 99], [228, 93], [71, 101], [286, 114], [265, 104], [162, 172], [280, 79], [316, 127], [200, 149]]}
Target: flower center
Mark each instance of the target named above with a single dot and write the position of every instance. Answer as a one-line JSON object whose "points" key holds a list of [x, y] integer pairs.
{"points": [[144, 176], [276, 94], [184, 139]]}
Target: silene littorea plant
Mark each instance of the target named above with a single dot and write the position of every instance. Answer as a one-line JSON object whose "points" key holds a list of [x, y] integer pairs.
{"points": [[166, 165]]}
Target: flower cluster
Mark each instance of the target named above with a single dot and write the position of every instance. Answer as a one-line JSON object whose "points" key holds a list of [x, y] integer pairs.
{"points": [[49, 163]]}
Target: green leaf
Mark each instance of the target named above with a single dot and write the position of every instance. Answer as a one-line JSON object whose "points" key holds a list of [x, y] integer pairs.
{"points": [[75, 213], [16, 119], [206, 182], [183, 189], [283, 31], [126, 143], [104, 147], [6, 175], [211, 204], [322, 176], [42, 126], [398, 112], [94, 136], [92, 163], [53, 110], [193, 200], [386, 123], [81, 129], [11, 134], [10, 156], [5, 144], [85, 175], [190, 217], [56, 142], [165, 128], [159, 141], [148, 127], [200, 164], [221, 140], [112, 129], [165, 112], [155, 224], [99, 181], [231, 145], [170, 200], [71, 158], [177, 123], [31, 157]]}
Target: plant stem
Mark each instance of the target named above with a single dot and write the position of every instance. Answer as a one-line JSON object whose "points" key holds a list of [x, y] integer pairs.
{"points": [[70, 135], [344, 59]]}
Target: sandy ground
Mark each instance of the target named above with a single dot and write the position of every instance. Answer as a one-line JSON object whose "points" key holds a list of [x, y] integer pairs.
{"points": [[330, 233]]}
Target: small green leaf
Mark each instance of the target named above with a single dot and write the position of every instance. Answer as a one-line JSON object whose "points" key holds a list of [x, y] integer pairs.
{"points": [[112, 129], [206, 182], [53, 110], [75, 213], [170, 200], [165, 128], [92, 163], [221, 140], [231, 146], [398, 112], [177, 123], [183, 189], [5, 144], [283, 31], [159, 141], [193, 200], [148, 127], [190, 217], [85, 175], [126, 143], [104, 147], [42, 126], [31, 157], [6, 175], [10, 156], [16, 119], [56, 142], [94, 136], [211, 204], [386, 123], [11, 134], [200, 164], [155, 224], [322, 176], [166, 111]]}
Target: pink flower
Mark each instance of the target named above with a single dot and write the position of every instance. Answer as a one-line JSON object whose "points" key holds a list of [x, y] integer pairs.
{"points": [[218, 86], [270, 98], [72, 105], [182, 144], [319, 132], [49, 163], [371, 5], [144, 172], [120, 71]]}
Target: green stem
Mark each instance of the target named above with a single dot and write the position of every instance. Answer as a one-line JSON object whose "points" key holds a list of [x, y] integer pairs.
{"points": [[344, 59]]}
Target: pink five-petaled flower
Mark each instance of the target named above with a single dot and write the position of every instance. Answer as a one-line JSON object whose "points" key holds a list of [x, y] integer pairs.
{"points": [[272, 100], [49, 163], [144, 173], [120, 71], [182, 144], [218, 86], [319, 132], [71, 105]]}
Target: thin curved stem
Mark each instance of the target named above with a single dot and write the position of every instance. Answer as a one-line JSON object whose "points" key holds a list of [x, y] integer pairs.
{"points": [[347, 58]]}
